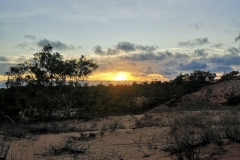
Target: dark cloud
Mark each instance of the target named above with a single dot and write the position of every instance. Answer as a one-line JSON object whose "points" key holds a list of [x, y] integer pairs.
{"points": [[168, 72], [141, 57], [31, 37], [218, 45], [200, 53], [149, 71], [55, 44], [148, 56], [237, 38], [3, 59], [98, 50], [130, 47], [181, 55], [192, 65], [226, 60], [221, 68], [124, 47], [111, 51], [195, 42], [233, 51], [146, 48], [22, 45]]}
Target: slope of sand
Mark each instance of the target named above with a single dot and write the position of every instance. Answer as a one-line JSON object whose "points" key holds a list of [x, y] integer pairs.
{"points": [[219, 92]]}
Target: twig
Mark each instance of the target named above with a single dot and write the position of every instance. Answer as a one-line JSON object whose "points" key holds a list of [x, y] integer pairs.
{"points": [[7, 117], [145, 155]]}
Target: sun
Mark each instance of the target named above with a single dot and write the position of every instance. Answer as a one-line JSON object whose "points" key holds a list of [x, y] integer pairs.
{"points": [[121, 76]]}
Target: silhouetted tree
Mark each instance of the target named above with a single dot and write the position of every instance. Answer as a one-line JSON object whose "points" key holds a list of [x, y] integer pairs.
{"points": [[230, 76], [202, 76], [49, 69]]}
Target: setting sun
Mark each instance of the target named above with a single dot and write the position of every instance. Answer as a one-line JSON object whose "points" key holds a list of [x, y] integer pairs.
{"points": [[121, 76]]}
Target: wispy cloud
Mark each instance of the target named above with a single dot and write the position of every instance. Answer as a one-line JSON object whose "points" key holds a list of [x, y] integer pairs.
{"points": [[237, 38], [233, 50], [55, 44], [218, 45], [22, 45], [200, 53], [195, 42], [31, 37], [148, 56]]}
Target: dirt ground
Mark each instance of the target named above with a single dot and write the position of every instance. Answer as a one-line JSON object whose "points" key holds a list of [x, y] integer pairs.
{"points": [[122, 137], [129, 137]]}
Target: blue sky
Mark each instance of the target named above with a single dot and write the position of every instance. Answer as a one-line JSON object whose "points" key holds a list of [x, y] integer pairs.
{"points": [[150, 40]]}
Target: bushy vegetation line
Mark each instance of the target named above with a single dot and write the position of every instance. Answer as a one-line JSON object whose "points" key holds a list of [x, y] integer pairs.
{"points": [[49, 88]]}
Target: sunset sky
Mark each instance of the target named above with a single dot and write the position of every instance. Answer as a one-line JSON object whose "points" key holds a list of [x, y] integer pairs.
{"points": [[130, 40]]}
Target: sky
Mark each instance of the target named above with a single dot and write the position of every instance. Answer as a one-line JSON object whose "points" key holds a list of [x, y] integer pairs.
{"points": [[130, 40]]}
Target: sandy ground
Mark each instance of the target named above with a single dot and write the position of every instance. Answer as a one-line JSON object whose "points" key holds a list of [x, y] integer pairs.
{"points": [[219, 92], [122, 137], [126, 141]]}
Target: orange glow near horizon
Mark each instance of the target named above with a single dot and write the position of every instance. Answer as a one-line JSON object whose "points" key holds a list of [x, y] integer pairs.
{"points": [[112, 76], [121, 76], [124, 77]]}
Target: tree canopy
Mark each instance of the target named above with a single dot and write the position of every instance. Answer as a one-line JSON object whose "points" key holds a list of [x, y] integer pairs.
{"points": [[49, 69]]}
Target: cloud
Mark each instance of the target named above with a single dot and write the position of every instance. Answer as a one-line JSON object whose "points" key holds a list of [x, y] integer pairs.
{"points": [[21, 59], [181, 55], [4, 68], [106, 66], [198, 25], [221, 68], [226, 60], [130, 47], [132, 64], [237, 38], [148, 56], [55, 44], [3, 59], [168, 72], [218, 45], [124, 47], [195, 42], [111, 51], [146, 48], [149, 71], [31, 37], [233, 51], [98, 50], [22, 45], [192, 65], [200, 53]]}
